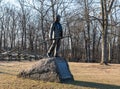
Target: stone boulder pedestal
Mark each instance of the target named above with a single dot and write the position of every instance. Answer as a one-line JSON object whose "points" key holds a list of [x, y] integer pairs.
{"points": [[55, 69]]}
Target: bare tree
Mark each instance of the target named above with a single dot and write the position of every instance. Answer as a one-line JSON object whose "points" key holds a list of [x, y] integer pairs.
{"points": [[105, 12]]}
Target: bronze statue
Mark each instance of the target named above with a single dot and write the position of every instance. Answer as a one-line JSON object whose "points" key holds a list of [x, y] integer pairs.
{"points": [[55, 34]]}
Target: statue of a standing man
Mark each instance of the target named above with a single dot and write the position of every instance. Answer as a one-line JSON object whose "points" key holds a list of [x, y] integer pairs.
{"points": [[55, 34]]}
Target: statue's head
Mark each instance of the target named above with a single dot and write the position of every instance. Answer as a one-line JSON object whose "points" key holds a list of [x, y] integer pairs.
{"points": [[57, 18]]}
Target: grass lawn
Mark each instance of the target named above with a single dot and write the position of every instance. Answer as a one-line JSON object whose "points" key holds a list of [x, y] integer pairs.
{"points": [[86, 75]]}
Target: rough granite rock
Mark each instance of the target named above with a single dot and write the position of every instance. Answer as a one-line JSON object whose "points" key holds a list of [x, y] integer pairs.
{"points": [[47, 70]]}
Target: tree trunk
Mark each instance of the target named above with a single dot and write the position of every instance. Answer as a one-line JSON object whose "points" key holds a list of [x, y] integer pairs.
{"points": [[53, 9], [118, 48], [42, 26], [93, 49], [110, 52], [88, 30], [70, 40], [104, 59], [85, 39]]}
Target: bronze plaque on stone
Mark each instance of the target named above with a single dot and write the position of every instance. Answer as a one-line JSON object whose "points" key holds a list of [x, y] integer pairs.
{"points": [[63, 71]]}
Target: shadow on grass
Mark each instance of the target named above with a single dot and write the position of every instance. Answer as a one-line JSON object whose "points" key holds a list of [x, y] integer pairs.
{"points": [[93, 85]]}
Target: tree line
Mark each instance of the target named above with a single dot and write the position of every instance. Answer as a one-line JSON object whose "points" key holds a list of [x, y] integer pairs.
{"points": [[92, 27]]}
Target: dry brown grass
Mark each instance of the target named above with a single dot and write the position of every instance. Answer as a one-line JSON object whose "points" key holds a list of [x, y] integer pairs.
{"points": [[87, 76]]}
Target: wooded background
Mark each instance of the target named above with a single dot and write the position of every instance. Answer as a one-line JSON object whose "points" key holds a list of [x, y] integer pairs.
{"points": [[93, 26]]}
